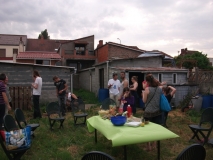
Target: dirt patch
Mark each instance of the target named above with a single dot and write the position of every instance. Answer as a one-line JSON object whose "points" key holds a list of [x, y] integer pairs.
{"points": [[74, 149], [176, 113]]}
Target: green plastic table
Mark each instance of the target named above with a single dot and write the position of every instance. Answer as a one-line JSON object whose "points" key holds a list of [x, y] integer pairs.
{"points": [[125, 135]]}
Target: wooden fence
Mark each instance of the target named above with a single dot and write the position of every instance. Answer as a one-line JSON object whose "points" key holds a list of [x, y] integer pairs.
{"points": [[21, 97]]}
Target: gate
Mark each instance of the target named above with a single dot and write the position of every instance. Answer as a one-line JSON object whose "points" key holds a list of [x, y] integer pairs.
{"points": [[21, 97]]}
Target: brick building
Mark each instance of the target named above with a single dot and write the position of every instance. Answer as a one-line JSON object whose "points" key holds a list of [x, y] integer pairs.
{"points": [[111, 50], [78, 53]]}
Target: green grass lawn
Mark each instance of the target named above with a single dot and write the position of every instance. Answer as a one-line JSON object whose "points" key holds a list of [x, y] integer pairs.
{"points": [[71, 143]]}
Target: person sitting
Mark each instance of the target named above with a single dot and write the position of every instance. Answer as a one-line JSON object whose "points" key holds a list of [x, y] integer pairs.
{"points": [[69, 98], [127, 99]]}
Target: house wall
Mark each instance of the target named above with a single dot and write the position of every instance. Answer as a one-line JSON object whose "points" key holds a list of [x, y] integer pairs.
{"points": [[102, 54], [109, 51], [116, 51], [168, 77], [21, 75], [138, 62], [9, 49], [68, 48]]}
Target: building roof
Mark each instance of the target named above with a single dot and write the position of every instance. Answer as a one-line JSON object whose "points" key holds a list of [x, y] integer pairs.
{"points": [[48, 45], [155, 53], [151, 69], [9, 39], [78, 40], [128, 47], [38, 55]]}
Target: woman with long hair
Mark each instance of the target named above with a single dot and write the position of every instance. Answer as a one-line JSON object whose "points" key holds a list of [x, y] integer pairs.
{"points": [[37, 85], [151, 98], [127, 99], [169, 92], [133, 89]]}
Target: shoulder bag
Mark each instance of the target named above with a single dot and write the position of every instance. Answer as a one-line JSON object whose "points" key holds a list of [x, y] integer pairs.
{"points": [[164, 104]]}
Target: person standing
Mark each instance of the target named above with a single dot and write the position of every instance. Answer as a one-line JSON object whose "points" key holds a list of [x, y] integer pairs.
{"points": [[133, 89], [61, 88], [3, 99], [114, 88], [37, 85], [124, 82], [169, 92], [8, 95], [151, 98]]}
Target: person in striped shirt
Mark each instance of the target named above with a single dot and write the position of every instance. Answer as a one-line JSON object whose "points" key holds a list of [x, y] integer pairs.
{"points": [[3, 99]]}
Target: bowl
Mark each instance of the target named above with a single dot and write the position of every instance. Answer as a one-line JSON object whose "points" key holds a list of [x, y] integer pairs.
{"points": [[118, 120]]}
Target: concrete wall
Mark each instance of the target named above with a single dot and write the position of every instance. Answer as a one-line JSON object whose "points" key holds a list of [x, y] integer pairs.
{"points": [[181, 92], [21, 75], [33, 61]]}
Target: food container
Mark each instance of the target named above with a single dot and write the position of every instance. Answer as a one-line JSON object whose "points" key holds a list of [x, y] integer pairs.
{"points": [[103, 113], [118, 120]]}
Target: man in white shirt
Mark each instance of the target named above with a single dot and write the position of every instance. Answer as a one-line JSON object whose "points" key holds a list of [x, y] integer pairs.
{"points": [[37, 85], [114, 88]]}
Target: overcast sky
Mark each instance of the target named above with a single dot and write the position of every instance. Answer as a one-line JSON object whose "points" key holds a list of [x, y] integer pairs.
{"points": [[165, 25]]}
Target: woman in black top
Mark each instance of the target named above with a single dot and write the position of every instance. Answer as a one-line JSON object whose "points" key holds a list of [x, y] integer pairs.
{"points": [[169, 92]]}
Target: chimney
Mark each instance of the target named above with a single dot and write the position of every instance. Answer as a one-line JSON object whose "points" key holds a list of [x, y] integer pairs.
{"points": [[100, 43], [21, 45]]}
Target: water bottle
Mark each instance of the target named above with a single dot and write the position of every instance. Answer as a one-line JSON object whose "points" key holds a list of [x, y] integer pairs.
{"points": [[121, 108], [129, 111]]}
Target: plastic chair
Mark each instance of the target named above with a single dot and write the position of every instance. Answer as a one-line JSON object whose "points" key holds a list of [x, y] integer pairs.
{"points": [[10, 125], [193, 152], [106, 103], [206, 117], [19, 116], [97, 155], [78, 110], [54, 114]]}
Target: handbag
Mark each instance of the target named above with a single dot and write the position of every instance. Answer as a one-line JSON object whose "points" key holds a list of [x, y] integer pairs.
{"points": [[164, 104], [20, 138]]}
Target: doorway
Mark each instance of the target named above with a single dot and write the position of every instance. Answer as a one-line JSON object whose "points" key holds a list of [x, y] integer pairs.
{"points": [[140, 80], [101, 77]]}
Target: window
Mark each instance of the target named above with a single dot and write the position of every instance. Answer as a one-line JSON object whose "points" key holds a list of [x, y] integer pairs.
{"points": [[160, 77], [91, 53], [2, 52], [46, 62], [39, 61], [174, 78], [80, 49], [15, 51]]}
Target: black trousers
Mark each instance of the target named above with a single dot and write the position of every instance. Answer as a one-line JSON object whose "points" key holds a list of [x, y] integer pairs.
{"points": [[61, 100], [2, 112], [37, 112]]}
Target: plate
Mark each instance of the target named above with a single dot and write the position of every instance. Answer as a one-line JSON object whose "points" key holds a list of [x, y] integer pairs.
{"points": [[133, 124]]}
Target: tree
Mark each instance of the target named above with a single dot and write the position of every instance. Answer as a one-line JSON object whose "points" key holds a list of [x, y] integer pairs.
{"points": [[44, 34], [196, 59]]}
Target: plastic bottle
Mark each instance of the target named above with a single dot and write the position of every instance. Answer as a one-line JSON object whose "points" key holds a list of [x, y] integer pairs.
{"points": [[129, 111], [121, 108]]}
